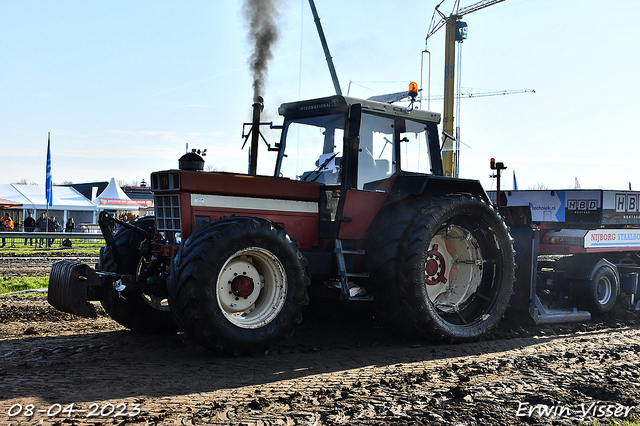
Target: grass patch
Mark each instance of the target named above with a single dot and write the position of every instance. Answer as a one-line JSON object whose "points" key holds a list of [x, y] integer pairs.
{"points": [[11, 284], [52, 251], [80, 247], [632, 420]]}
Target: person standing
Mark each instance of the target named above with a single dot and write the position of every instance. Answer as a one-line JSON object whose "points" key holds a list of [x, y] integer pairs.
{"points": [[54, 226], [29, 226], [6, 224], [41, 226], [70, 225]]}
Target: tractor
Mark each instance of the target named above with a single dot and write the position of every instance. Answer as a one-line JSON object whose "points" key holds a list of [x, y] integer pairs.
{"points": [[357, 207]]}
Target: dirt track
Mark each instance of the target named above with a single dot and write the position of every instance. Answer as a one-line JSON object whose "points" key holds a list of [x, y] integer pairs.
{"points": [[340, 369], [37, 265]]}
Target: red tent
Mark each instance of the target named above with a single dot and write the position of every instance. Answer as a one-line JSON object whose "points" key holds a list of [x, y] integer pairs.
{"points": [[8, 204]]}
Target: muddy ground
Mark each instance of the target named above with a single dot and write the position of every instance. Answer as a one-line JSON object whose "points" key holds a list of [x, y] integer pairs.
{"points": [[37, 264], [339, 368]]}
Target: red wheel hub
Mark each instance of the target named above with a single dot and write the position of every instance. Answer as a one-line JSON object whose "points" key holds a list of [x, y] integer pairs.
{"points": [[434, 267], [242, 286]]}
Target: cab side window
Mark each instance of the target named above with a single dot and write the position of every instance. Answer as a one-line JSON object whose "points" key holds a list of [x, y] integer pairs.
{"points": [[376, 150], [414, 152]]}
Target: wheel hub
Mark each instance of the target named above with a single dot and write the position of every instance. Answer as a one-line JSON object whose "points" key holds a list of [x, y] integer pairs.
{"points": [[435, 267], [242, 286], [604, 291], [452, 268], [239, 285]]}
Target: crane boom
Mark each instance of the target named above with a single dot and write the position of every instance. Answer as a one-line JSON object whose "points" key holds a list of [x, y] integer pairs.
{"points": [[398, 96], [485, 94], [433, 27], [458, 14], [477, 6]]}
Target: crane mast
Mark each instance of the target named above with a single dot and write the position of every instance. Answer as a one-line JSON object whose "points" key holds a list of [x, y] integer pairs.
{"points": [[454, 32]]}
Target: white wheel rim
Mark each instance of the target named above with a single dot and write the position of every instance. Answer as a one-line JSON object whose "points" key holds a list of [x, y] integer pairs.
{"points": [[453, 271], [604, 290], [251, 288]]}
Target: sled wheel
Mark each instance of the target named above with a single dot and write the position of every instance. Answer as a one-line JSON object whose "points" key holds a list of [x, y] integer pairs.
{"points": [[602, 291], [238, 285]]}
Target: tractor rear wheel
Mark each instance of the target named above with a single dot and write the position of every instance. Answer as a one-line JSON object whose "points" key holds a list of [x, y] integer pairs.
{"points": [[238, 285], [443, 267], [136, 311]]}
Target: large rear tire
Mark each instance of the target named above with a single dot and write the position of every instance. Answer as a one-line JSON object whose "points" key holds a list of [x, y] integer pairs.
{"points": [[136, 311], [442, 267], [238, 285]]}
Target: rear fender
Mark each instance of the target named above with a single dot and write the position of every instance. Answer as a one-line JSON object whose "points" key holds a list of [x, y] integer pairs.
{"points": [[577, 268], [411, 184]]}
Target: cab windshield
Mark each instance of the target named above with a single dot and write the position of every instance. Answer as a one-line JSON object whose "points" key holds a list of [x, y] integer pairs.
{"points": [[314, 149]]}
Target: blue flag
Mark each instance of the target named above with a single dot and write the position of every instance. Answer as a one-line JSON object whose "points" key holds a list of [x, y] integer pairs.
{"points": [[515, 183], [49, 183]]}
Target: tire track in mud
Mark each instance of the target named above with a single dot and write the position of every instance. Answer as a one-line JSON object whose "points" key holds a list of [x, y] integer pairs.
{"points": [[324, 375], [337, 369], [477, 389], [37, 265]]}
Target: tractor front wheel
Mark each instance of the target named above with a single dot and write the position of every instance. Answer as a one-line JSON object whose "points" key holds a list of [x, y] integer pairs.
{"points": [[138, 312], [238, 285]]}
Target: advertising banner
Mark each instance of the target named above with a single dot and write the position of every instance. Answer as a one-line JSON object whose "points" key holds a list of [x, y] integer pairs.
{"points": [[612, 238]]}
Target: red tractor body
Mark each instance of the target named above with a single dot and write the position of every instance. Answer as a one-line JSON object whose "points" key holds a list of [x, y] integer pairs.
{"points": [[357, 205]]}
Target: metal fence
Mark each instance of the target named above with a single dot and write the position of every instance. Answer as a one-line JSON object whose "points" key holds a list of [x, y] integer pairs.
{"points": [[51, 239]]}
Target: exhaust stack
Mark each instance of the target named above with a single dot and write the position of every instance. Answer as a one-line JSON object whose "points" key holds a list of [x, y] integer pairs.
{"points": [[258, 106]]}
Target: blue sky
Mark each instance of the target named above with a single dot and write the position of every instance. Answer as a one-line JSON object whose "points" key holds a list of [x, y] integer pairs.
{"points": [[123, 86]]}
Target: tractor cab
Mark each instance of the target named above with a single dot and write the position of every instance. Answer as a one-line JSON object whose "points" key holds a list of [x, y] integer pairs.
{"points": [[355, 144]]}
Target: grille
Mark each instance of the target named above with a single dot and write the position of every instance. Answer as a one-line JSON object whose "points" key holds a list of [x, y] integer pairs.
{"points": [[161, 181], [167, 212]]}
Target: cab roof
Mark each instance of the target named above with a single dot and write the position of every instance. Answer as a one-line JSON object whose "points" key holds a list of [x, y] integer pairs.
{"points": [[340, 104]]}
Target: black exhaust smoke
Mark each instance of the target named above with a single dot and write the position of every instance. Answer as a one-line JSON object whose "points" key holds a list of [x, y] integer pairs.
{"points": [[262, 18]]}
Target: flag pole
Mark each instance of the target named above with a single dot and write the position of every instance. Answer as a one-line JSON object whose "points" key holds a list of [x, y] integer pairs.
{"points": [[48, 183]]}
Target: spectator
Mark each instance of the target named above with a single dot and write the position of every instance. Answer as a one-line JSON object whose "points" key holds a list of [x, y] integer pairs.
{"points": [[7, 225], [41, 226], [70, 225], [54, 226], [29, 226]]}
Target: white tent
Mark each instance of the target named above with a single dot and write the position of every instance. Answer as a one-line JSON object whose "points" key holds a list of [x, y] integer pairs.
{"points": [[64, 198], [67, 202], [9, 192], [114, 198]]}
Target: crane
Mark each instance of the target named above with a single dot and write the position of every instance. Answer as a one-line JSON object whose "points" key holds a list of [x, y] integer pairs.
{"points": [[456, 30], [398, 96]]}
